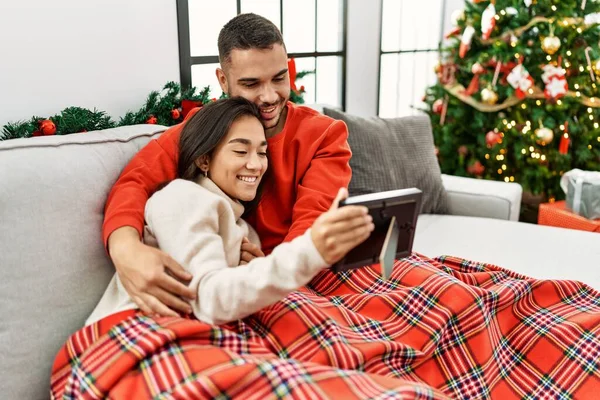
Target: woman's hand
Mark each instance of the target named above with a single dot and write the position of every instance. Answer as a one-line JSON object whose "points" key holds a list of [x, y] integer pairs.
{"points": [[339, 230], [250, 251]]}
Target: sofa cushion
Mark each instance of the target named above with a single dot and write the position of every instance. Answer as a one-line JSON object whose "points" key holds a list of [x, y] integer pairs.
{"points": [[537, 251], [396, 153], [54, 266]]}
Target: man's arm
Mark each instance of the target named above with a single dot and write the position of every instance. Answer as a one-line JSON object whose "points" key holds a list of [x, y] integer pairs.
{"points": [[142, 268], [154, 164], [329, 171]]}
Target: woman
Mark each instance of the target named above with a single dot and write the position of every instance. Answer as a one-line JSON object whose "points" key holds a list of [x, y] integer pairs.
{"points": [[197, 220]]}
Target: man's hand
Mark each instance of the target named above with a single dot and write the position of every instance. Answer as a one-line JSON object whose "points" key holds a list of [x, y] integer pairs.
{"points": [[151, 277], [250, 251], [339, 230]]}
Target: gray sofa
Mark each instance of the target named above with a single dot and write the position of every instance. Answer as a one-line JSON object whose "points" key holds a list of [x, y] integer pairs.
{"points": [[54, 267]]}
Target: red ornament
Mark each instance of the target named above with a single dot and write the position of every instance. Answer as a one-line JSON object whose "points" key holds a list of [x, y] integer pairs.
{"points": [[302, 88], [555, 80], [463, 150], [36, 133], [447, 74], [437, 106], [292, 73], [152, 120], [47, 127], [83, 131], [493, 138], [175, 114], [214, 99], [453, 32], [476, 168], [488, 21], [565, 141], [473, 86]]}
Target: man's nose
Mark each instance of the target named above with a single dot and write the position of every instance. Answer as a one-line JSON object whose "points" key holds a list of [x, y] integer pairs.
{"points": [[268, 94]]}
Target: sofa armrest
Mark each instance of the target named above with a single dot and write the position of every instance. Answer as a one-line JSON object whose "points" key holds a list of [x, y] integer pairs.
{"points": [[483, 198]]}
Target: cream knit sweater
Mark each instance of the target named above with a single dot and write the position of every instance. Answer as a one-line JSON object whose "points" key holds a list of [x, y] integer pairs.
{"points": [[200, 227]]}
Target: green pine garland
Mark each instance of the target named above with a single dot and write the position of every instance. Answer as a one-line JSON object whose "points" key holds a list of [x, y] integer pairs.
{"points": [[297, 96], [159, 109], [76, 119]]}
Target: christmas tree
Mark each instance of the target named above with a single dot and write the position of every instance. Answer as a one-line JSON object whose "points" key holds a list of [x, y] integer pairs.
{"points": [[517, 93]]}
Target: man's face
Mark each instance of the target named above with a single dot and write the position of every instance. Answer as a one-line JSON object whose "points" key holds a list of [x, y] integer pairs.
{"points": [[261, 76]]}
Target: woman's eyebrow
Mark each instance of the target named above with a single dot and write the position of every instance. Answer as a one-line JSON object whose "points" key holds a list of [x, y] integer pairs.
{"points": [[246, 141]]}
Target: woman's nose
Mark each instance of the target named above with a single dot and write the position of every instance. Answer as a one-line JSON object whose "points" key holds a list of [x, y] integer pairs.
{"points": [[253, 162]]}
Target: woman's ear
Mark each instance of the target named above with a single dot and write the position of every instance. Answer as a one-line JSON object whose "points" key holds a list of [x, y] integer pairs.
{"points": [[202, 162]]}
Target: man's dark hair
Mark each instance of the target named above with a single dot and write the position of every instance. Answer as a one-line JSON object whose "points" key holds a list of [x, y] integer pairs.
{"points": [[247, 31], [204, 131]]}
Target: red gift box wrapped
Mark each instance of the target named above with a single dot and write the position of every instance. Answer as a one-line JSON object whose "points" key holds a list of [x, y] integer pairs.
{"points": [[557, 214]]}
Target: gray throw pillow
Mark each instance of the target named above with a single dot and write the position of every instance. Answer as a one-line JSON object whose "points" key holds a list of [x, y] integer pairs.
{"points": [[395, 153]]}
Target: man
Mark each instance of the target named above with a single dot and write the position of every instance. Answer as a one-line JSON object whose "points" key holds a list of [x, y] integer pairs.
{"points": [[309, 162]]}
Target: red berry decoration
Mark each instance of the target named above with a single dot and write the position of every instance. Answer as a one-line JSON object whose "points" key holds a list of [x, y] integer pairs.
{"points": [[492, 138], [47, 127], [152, 120], [437, 106], [175, 113]]}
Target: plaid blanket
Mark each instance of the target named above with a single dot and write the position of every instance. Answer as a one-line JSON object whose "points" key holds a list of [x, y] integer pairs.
{"points": [[438, 328]]}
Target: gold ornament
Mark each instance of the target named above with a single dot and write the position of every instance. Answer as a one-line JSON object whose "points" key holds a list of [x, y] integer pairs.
{"points": [[544, 135], [551, 44], [596, 67], [488, 96]]}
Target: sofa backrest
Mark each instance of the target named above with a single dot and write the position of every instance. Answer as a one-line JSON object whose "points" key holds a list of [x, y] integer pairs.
{"points": [[53, 265]]}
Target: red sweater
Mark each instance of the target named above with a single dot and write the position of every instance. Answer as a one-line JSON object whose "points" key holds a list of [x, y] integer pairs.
{"points": [[308, 162]]}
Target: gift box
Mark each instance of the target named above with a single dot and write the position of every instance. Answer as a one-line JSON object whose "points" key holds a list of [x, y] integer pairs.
{"points": [[583, 192], [558, 214]]}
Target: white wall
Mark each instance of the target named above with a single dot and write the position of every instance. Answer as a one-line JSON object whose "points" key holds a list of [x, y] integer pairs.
{"points": [[362, 69], [104, 54], [109, 54]]}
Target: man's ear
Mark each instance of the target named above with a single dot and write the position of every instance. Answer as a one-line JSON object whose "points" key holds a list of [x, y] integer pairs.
{"points": [[203, 163], [222, 78]]}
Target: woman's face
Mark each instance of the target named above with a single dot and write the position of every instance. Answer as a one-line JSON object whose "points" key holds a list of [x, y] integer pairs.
{"points": [[240, 160]]}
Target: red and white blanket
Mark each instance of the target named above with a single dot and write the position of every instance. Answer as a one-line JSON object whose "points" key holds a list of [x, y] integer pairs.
{"points": [[444, 328]]}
